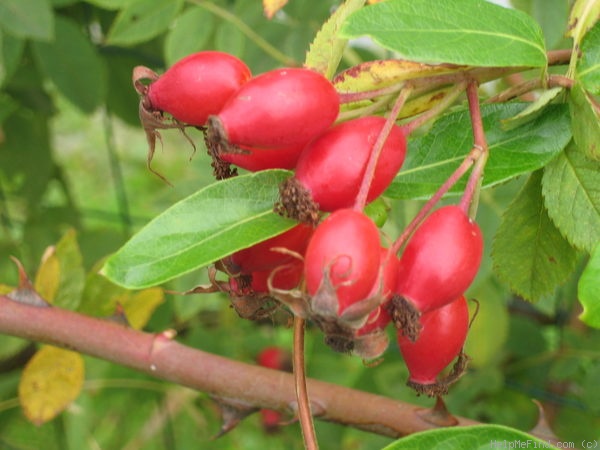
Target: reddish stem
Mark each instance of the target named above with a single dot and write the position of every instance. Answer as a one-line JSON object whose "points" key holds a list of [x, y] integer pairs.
{"points": [[304, 411], [473, 156], [361, 198], [479, 141]]}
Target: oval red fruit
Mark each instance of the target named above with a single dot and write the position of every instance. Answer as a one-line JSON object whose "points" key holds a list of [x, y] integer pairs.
{"points": [[441, 259], [442, 337], [332, 167], [261, 257], [264, 158], [345, 248], [280, 108], [198, 86]]}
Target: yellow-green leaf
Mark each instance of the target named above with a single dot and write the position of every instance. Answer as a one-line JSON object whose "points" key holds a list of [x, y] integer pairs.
{"points": [[139, 306], [47, 278], [271, 7], [51, 380], [326, 50]]}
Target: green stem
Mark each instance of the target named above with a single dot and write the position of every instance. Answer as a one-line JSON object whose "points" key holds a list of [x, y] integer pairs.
{"points": [[269, 49]]}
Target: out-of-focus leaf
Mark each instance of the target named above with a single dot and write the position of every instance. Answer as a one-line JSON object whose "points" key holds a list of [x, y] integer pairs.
{"points": [[229, 38], [143, 20], [52, 379], [433, 157], [489, 35], [530, 254], [325, 52], [47, 278], [271, 7], [73, 65], [111, 4], [585, 122], [572, 193], [139, 306], [189, 34], [214, 222], [471, 437], [27, 18], [11, 50], [25, 160], [588, 290], [588, 66], [60, 279]]}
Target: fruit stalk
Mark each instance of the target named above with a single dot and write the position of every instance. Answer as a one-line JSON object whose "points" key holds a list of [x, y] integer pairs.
{"points": [[361, 198]]}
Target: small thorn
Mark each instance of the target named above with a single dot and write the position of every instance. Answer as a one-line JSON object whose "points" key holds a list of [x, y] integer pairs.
{"points": [[542, 428], [438, 415], [26, 292], [119, 316], [232, 413]]}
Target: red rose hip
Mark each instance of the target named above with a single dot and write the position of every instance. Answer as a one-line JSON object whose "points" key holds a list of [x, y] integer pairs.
{"points": [[197, 86], [341, 263], [331, 168], [280, 108], [441, 259]]}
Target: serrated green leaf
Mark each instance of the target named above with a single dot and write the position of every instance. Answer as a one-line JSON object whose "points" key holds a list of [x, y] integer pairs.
{"points": [[433, 157], [585, 123], [530, 254], [572, 193], [216, 221], [489, 35], [588, 290], [476, 437], [27, 18], [143, 20], [325, 52], [72, 53], [189, 34], [588, 67]]}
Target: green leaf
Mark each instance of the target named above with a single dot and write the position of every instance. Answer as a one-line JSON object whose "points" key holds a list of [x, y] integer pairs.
{"points": [[588, 67], [530, 254], [27, 18], [584, 14], [489, 35], [433, 157], [72, 53], [11, 50], [572, 193], [472, 437], [189, 34], [585, 123], [216, 221], [111, 4], [325, 52], [588, 290], [143, 20]]}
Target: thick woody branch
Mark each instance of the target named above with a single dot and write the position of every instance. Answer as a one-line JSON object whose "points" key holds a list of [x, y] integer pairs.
{"points": [[162, 357]]}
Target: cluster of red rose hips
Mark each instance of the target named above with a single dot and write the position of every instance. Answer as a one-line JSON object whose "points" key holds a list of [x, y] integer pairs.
{"points": [[334, 272]]}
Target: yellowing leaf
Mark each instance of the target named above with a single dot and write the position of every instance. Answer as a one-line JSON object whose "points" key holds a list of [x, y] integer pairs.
{"points": [[47, 278], [379, 74], [272, 6], [584, 14], [52, 379], [139, 307], [5, 289]]}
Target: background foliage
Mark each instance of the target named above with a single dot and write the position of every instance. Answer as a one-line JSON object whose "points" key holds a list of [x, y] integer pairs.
{"points": [[73, 175]]}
